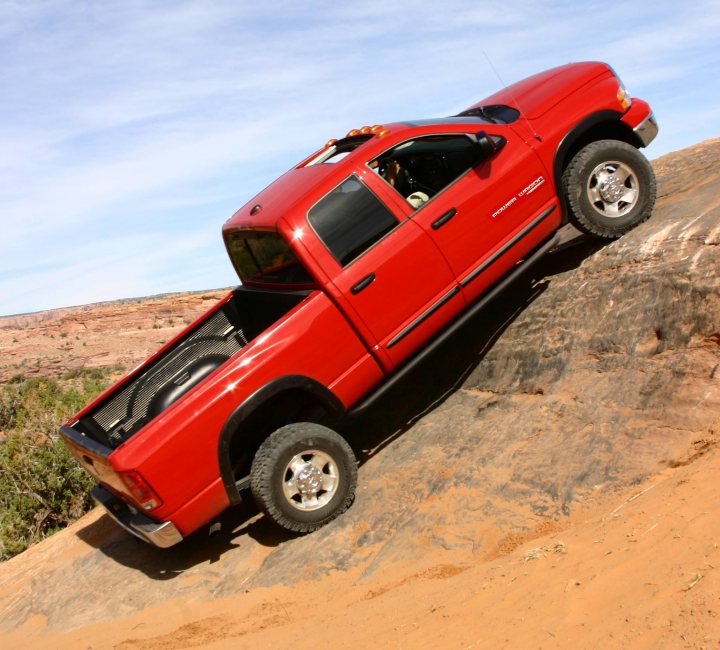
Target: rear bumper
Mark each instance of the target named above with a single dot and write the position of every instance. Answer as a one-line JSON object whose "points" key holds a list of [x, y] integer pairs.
{"points": [[162, 535]]}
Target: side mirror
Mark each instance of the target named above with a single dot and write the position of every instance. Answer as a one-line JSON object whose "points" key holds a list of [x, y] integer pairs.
{"points": [[489, 145]]}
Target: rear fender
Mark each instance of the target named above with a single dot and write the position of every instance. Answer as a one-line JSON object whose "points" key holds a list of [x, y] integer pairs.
{"points": [[233, 426]]}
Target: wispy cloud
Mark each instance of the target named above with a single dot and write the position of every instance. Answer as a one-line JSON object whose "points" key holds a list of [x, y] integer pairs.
{"points": [[130, 130]]}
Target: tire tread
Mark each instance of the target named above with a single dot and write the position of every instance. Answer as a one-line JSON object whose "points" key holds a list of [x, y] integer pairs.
{"points": [[265, 463], [573, 182]]}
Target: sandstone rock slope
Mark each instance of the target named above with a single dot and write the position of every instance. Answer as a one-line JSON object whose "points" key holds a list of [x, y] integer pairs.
{"points": [[592, 376]]}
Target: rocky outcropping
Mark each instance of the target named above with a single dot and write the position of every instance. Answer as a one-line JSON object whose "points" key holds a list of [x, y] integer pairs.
{"points": [[599, 369], [106, 335]]}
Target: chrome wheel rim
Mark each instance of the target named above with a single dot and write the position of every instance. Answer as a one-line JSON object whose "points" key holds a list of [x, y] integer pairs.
{"points": [[310, 480], [612, 189]]}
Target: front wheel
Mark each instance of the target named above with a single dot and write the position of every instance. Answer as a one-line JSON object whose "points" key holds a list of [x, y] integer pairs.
{"points": [[609, 187], [303, 476]]}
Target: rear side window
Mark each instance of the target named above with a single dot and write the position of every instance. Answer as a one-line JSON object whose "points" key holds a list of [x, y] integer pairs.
{"points": [[264, 256], [350, 219]]}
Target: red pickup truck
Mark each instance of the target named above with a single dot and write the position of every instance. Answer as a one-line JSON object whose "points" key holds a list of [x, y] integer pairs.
{"points": [[355, 264]]}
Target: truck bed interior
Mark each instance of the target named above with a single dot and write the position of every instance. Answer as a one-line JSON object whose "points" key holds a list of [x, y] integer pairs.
{"points": [[202, 349]]}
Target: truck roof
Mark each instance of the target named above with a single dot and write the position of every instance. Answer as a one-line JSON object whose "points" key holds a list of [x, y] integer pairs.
{"points": [[290, 197], [294, 193]]}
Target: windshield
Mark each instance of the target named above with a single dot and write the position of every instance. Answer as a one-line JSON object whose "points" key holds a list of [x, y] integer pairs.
{"points": [[495, 113], [264, 256]]}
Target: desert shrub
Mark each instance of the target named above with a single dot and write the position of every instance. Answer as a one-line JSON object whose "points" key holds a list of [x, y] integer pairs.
{"points": [[39, 404], [42, 488]]}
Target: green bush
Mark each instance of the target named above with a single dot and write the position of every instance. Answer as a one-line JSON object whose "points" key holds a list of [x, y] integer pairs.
{"points": [[42, 488]]}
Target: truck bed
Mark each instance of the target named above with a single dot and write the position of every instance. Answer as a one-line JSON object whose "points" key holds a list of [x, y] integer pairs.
{"points": [[200, 350]]}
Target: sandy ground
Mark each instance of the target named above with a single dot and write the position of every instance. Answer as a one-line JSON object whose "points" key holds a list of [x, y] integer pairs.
{"points": [[632, 570]]}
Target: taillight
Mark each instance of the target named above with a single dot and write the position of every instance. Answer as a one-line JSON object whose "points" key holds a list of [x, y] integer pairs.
{"points": [[140, 490]]}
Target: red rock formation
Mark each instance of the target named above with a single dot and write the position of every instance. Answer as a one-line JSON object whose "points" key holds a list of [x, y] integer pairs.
{"points": [[110, 334]]}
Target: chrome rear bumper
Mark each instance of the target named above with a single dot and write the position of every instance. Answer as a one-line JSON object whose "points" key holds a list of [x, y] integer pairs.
{"points": [[162, 534]]}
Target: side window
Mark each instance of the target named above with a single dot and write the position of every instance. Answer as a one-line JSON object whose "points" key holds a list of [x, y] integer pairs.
{"points": [[420, 168], [350, 219]]}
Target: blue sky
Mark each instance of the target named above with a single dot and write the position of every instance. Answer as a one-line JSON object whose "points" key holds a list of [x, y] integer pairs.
{"points": [[129, 131]]}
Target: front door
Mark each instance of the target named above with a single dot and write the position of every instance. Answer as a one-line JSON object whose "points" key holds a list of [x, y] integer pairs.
{"points": [[484, 214]]}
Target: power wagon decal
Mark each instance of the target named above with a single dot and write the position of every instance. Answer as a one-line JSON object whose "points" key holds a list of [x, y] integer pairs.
{"points": [[523, 192]]}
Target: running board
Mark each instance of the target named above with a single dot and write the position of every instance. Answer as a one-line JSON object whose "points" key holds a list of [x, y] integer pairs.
{"points": [[455, 325]]}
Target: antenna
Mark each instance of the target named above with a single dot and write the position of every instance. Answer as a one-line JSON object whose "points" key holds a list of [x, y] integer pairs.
{"points": [[505, 86]]}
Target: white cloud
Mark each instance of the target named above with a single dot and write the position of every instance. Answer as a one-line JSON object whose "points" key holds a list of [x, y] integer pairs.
{"points": [[113, 113]]}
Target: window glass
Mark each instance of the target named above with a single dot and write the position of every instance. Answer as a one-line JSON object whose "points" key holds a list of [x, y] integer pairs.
{"points": [[419, 169], [496, 113], [264, 256], [350, 219]]}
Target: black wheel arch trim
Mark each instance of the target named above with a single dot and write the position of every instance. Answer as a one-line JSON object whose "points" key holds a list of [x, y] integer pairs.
{"points": [[335, 408], [578, 131]]}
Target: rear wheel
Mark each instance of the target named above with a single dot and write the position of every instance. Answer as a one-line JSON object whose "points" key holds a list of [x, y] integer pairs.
{"points": [[303, 476], [610, 188]]}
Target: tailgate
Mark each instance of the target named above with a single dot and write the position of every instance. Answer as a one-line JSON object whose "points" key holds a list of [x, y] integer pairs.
{"points": [[93, 457]]}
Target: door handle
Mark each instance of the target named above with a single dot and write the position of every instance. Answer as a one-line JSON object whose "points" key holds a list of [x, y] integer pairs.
{"points": [[441, 221], [363, 284]]}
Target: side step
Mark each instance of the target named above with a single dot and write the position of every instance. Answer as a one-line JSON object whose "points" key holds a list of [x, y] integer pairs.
{"points": [[455, 325]]}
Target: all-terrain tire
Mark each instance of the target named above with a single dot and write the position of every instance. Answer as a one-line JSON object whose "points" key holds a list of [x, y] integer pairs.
{"points": [[303, 476], [609, 187]]}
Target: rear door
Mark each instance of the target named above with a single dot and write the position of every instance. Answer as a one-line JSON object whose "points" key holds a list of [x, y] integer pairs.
{"points": [[391, 278]]}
